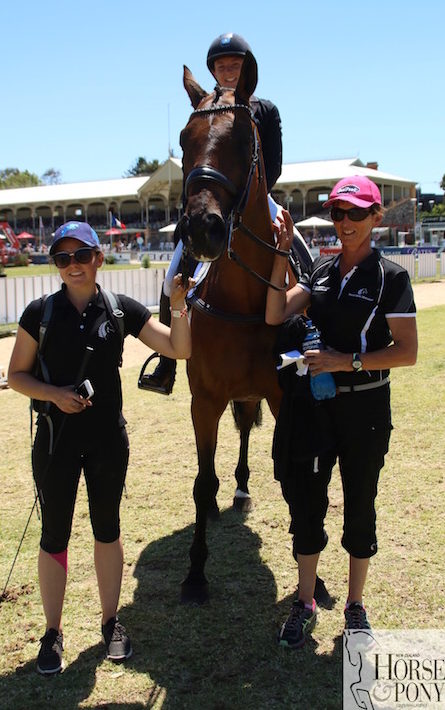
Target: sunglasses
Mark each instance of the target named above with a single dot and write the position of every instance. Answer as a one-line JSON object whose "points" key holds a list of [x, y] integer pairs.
{"points": [[83, 256], [355, 214]]}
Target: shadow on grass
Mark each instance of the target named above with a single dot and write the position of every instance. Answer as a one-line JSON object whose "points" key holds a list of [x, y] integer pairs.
{"points": [[222, 655]]}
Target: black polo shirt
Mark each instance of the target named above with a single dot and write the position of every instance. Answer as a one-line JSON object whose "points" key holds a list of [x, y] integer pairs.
{"points": [[69, 332], [352, 312]]}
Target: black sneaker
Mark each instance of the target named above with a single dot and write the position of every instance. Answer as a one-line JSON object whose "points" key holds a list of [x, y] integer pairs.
{"points": [[49, 659], [299, 624], [355, 617], [116, 640]]}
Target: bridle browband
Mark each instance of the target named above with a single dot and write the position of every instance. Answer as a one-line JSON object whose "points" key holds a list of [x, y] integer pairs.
{"points": [[205, 173]]}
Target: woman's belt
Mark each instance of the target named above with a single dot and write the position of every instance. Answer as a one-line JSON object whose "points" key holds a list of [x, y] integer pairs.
{"points": [[362, 388]]}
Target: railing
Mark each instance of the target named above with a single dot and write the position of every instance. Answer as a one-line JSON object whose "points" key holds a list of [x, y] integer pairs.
{"points": [[144, 285]]}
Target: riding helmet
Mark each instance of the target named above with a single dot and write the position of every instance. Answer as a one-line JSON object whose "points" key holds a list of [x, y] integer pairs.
{"points": [[227, 44]]}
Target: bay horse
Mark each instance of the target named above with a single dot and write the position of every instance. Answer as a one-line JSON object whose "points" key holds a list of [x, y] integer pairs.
{"points": [[226, 221]]}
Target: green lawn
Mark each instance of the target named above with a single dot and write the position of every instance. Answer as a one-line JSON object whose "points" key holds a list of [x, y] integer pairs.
{"points": [[44, 269], [222, 656]]}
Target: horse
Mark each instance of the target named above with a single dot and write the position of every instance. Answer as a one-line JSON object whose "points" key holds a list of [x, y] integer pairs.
{"points": [[227, 222]]}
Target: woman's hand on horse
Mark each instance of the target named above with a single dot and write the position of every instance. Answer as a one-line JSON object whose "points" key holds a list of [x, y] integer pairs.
{"points": [[68, 401], [285, 231], [179, 291]]}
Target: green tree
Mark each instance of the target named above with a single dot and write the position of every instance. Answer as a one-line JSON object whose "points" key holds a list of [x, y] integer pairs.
{"points": [[142, 166], [13, 177], [52, 177], [442, 183]]}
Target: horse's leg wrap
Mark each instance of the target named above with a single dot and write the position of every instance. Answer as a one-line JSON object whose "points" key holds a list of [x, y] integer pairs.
{"points": [[61, 558]]}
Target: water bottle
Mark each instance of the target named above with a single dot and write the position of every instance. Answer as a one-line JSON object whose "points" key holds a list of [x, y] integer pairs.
{"points": [[322, 385]]}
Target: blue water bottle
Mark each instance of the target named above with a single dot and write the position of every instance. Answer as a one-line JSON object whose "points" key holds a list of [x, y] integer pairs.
{"points": [[322, 385]]}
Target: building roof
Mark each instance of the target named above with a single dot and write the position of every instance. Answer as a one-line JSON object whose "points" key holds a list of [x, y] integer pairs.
{"points": [[330, 171], [73, 192], [308, 174]]}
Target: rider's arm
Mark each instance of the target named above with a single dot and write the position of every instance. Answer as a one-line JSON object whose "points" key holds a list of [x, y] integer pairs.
{"points": [[268, 121]]}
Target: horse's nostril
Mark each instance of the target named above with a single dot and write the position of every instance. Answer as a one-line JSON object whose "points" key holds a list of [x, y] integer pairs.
{"points": [[207, 236]]}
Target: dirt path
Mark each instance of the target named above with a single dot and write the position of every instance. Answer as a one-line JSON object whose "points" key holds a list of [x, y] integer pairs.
{"points": [[425, 294]]}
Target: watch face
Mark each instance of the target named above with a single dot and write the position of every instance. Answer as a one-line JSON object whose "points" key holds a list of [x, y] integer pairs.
{"points": [[356, 362]]}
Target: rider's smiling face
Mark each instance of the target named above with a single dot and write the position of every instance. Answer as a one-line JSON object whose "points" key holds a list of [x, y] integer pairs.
{"points": [[227, 70]]}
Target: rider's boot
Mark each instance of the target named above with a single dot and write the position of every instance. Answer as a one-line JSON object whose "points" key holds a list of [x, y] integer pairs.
{"points": [[163, 377]]}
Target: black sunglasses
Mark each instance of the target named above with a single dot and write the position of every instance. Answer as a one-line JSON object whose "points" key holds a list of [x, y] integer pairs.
{"points": [[355, 214], [83, 256]]}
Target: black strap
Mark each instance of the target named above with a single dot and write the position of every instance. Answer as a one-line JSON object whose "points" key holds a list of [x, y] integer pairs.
{"points": [[115, 311]]}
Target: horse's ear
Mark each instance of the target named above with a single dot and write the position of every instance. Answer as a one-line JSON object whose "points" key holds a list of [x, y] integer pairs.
{"points": [[195, 92], [248, 78]]}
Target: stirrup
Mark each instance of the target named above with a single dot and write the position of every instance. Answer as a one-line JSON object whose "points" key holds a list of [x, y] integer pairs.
{"points": [[145, 382]]}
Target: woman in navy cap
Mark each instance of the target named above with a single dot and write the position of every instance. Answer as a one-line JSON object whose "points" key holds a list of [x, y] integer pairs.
{"points": [[363, 305], [84, 327]]}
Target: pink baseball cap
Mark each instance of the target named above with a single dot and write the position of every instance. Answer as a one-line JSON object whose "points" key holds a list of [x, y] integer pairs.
{"points": [[358, 190]]}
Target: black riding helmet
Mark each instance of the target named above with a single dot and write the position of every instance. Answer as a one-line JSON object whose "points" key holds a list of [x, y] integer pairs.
{"points": [[227, 44]]}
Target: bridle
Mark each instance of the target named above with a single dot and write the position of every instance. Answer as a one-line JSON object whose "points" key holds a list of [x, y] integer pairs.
{"points": [[205, 173]]}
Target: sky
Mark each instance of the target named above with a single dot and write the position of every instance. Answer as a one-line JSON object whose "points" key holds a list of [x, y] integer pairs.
{"points": [[87, 87]]}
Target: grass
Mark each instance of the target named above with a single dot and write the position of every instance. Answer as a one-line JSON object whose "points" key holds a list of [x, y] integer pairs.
{"points": [[222, 656], [45, 269]]}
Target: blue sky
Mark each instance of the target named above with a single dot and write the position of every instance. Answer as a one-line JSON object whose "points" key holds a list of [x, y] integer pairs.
{"points": [[87, 87]]}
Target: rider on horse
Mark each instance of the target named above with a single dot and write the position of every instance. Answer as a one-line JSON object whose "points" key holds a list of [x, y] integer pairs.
{"points": [[224, 60]]}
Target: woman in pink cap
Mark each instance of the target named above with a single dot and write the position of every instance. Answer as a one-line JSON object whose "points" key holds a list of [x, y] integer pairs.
{"points": [[363, 306]]}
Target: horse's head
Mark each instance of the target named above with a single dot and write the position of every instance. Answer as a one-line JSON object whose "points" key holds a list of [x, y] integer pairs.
{"points": [[219, 149]]}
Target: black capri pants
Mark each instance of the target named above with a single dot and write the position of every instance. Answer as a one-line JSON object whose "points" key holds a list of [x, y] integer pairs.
{"points": [[103, 456], [361, 424]]}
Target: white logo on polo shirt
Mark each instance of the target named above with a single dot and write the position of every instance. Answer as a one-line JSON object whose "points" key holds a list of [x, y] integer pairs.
{"points": [[105, 330], [318, 285], [362, 293]]}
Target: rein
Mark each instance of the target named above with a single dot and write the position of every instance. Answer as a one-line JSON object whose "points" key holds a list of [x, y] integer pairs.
{"points": [[207, 173]]}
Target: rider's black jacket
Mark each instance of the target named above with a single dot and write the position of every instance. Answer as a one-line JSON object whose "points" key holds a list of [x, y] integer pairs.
{"points": [[268, 120]]}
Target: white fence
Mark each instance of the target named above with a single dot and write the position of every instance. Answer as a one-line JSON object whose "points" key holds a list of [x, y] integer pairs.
{"points": [[144, 285], [427, 264]]}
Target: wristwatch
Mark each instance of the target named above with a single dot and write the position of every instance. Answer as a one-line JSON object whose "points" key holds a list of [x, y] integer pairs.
{"points": [[357, 364]]}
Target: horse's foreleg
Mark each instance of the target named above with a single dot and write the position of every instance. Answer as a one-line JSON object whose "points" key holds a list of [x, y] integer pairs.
{"points": [[246, 414], [206, 415]]}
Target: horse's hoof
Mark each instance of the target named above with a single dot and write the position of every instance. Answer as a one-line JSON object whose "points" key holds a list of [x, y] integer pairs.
{"points": [[197, 594], [242, 505], [321, 595], [213, 512]]}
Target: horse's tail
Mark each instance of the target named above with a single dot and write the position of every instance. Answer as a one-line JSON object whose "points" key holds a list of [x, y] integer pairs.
{"points": [[241, 413]]}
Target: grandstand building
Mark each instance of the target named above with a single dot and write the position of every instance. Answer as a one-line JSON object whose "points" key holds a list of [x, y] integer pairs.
{"points": [[145, 204]]}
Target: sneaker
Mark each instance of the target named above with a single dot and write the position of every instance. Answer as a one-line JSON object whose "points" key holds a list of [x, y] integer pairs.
{"points": [[299, 624], [116, 640], [49, 659], [162, 379], [355, 617]]}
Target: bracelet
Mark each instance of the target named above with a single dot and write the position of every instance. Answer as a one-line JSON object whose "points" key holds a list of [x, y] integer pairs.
{"points": [[178, 313]]}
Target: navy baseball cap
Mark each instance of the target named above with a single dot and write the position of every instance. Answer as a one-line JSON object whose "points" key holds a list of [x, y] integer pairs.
{"points": [[76, 230]]}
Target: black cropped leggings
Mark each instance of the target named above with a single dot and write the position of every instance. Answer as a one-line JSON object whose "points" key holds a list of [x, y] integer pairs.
{"points": [[361, 426], [103, 458]]}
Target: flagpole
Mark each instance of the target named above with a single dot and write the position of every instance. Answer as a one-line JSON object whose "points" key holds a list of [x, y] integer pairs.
{"points": [[110, 219]]}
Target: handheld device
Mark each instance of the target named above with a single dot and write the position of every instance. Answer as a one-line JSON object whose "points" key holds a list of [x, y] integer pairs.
{"points": [[85, 389]]}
